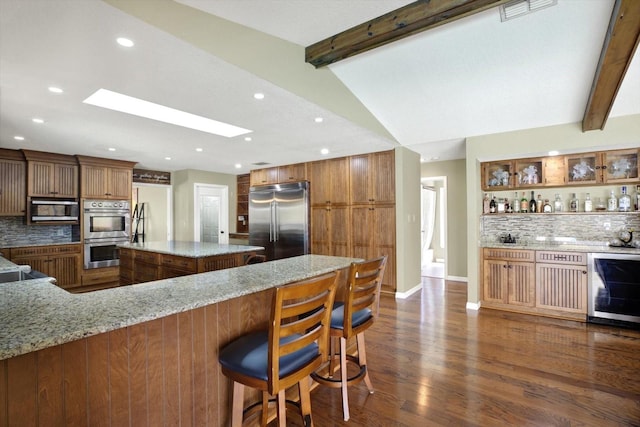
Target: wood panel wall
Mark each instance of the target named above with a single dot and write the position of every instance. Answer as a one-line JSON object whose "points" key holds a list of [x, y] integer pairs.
{"points": [[162, 372]]}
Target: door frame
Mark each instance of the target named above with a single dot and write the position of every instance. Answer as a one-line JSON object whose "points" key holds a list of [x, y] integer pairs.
{"points": [[442, 214], [169, 206], [223, 219]]}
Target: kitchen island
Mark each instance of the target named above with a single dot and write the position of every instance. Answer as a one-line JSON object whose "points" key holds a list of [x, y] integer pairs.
{"points": [[145, 262], [136, 355]]}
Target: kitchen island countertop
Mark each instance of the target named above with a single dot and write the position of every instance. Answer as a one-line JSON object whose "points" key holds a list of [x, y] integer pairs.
{"points": [[190, 249], [36, 314]]}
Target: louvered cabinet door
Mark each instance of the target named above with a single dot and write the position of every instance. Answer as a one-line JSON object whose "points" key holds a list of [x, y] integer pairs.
{"points": [[41, 179], [65, 269], [66, 181], [340, 231], [562, 287], [521, 283], [119, 184], [12, 187], [320, 231]]}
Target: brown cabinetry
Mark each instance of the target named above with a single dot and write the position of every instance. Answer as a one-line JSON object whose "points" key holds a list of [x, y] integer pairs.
{"points": [[372, 178], [508, 278], [105, 178], [561, 281], [329, 181], [330, 231], [51, 175], [498, 176], [264, 176], [620, 166], [242, 206], [13, 197], [61, 262], [292, 173]]}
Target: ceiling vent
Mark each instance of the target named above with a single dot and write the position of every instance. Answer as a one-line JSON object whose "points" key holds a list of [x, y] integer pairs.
{"points": [[518, 8], [261, 163]]}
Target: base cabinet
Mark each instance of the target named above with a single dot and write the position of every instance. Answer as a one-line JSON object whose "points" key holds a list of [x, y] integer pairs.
{"points": [[61, 262], [545, 283]]}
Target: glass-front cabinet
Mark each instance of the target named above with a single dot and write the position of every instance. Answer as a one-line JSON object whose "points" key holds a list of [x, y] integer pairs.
{"points": [[620, 166], [529, 173], [497, 175], [583, 168]]}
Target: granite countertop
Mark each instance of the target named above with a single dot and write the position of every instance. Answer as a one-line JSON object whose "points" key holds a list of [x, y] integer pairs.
{"points": [[562, 247], [190, 249], [36, 314]]}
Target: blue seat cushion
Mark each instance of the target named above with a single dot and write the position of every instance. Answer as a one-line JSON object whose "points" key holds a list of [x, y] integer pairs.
{"points": [[248, 355], [357, 319]]}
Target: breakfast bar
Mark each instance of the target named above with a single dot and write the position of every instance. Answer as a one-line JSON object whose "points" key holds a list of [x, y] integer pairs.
{"points": [[144, 354]]}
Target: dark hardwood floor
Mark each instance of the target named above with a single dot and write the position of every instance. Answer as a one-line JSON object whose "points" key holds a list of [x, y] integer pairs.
{"points": [[434, 363]]}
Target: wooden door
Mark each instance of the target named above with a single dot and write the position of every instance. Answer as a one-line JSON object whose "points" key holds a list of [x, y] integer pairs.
{"points": [[340, 231], [320, 231], [359, 179], [65, 268], [521, 282], [66, 181], [94, 181], [383, 230], [339, 175], [620, 166], [495, 280], [12, 187], [583, 169], [361, 238], [292, 173], [119, 184], [497, 176], [320, 183], [39, 263], [562, 287], [553, 172]]}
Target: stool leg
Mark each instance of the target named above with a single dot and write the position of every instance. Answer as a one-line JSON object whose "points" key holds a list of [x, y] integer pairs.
{"points": [[265, 408], [343, 378], [332, 352], [362, 360], [305, 402], [282, 409], [238, 403]]}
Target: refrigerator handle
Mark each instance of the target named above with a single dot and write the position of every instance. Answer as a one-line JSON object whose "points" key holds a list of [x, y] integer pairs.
{"points": [[276, 222], [271, 239]]}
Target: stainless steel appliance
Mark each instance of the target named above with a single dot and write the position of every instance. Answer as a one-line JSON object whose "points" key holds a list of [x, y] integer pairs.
{"points": [[614, 288], [107, 223], [53, 210], [279, 219]]}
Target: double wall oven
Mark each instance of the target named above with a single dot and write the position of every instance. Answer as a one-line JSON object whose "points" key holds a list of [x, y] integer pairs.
{"points": [[107, 223]]}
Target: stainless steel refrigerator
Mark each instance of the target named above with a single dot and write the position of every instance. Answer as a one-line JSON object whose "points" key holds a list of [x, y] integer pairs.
{"points": [[279, 219]]}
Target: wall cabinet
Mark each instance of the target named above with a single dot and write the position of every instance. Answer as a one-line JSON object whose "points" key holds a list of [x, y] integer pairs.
{"points": [[242, 206], [13, 185], [329, 182], [372, 178], [509, 277], [264, 176], [51, 175], [105, 178], [561, 281], [59, 261], [292, 173], [607, 167]]}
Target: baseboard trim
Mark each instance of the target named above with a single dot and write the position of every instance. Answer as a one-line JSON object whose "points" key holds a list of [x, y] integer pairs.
{"points": [[457, 279], [407, 294], [473, 306]]}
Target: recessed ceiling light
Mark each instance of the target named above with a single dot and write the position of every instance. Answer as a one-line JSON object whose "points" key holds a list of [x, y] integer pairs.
{"points": [[138, 107], [554, 153], [324, 151], [55, 89], [258, 95], [111, 149], [167, 158], [319, 119], [37, 120], [247, 138], [199, 150], [122, 41], [18, 138], [238, 165]]}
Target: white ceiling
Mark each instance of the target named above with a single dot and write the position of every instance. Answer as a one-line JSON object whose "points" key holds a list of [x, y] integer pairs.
{"points": [[428, 92]]}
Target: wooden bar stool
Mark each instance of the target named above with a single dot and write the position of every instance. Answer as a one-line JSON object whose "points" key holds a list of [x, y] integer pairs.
{"points": [[351, 318], [294, 346]]}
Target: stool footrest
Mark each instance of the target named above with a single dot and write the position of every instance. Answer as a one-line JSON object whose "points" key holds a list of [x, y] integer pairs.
{"points": [[336, 382]]}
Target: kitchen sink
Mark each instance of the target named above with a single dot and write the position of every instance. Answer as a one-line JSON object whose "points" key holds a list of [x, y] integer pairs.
{"points": [[17, 275]]}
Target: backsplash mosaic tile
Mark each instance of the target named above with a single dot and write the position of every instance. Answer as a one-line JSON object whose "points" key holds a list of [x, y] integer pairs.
{"points": [[585, 228], [14, 232]]}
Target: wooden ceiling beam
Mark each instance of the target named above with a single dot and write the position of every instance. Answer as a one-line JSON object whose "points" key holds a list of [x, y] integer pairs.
{"points": [[620, 44], [403, 22]]}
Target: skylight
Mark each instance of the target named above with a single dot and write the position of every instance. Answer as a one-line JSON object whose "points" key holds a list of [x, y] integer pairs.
{"points": [[127, 104]]}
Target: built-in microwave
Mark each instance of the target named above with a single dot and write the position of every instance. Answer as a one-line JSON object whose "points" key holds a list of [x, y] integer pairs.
{"points": [[53, 210]]}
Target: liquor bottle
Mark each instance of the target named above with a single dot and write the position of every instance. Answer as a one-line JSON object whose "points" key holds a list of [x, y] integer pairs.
{"points": [[546, 208], [485, 204], [557, 203], [532, 203], [588, 204], [624, 203], [573, 203], [539, 204], [493, 207], [612, 202], [516, 203], [524, 204]]}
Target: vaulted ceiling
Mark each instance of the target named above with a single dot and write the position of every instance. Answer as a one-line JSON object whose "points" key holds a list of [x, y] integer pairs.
{"points": [[428, 92]]}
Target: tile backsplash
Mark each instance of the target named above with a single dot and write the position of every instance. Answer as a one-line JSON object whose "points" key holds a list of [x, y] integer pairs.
{"points": [[584, 228], [14, 232]]}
